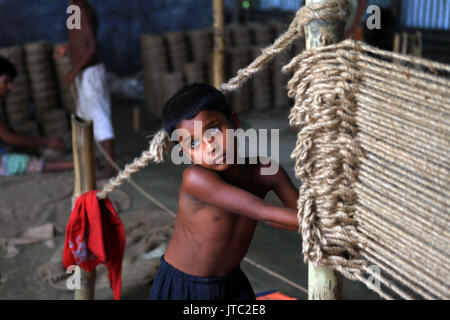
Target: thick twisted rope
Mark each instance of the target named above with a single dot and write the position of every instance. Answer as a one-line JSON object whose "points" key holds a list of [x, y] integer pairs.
{"points": [[158, 146], [327, 158], [372, 153]]}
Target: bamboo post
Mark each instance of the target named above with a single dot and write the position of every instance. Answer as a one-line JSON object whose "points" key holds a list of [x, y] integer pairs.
{"points": [[404, 43], [219, 43], [323, 283], [417, 47], [396, 47], [84, 170]]}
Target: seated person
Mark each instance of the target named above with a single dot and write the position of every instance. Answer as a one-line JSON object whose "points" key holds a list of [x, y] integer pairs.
{"points": [[13, 164], [220, 203]]}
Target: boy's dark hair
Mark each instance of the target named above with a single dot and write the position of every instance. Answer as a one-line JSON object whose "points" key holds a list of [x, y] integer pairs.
{"points": [[7, 67], [189, 100]]}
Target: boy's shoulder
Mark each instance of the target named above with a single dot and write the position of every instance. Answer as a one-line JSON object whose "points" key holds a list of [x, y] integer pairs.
{"points": [[194, 175]]}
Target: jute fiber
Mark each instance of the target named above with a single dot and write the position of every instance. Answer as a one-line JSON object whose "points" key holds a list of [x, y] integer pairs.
{"points": [[372, 153]]}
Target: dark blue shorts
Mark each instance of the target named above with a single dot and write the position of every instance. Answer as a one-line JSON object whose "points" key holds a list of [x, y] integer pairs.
{"points": [[172, 284]]}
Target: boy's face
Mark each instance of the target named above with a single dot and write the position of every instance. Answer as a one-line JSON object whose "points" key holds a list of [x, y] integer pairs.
{"points": [[205, 141], [6, 85]]}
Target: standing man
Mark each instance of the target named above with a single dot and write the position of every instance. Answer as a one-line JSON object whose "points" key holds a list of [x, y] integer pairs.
{"points": [[88, 77]]}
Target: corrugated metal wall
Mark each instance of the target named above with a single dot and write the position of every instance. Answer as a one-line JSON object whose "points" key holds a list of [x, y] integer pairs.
{"points": [[426, 14]]}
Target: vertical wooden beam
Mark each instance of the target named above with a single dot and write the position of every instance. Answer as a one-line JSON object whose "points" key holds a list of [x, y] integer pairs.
{"points": [[396, 47], [136, 119], [404, 43], [219, 43], [323, 283], [84, 170], [333, 30]]}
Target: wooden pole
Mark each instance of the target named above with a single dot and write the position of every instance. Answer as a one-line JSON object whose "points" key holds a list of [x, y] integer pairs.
{"points": [[396, 47], [404, 43], [136, 119], [219, 43], [84, 170], [323, 283]]}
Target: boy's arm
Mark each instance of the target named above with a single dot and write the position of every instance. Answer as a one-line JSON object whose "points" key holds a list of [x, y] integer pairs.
{"points": [[209, 187], [283, 187]]}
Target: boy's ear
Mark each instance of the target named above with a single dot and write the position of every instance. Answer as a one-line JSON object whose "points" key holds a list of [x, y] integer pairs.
{"points": [[235, 121]]}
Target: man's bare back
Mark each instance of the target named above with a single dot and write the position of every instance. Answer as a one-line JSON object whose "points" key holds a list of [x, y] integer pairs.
{"points": [[82, 47]]}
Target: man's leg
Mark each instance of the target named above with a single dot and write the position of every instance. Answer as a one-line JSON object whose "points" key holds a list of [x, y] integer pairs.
{"points": [[95, 104]]}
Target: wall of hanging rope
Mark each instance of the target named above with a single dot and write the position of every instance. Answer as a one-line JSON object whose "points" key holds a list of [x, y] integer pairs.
{"points": [[373, 157]]}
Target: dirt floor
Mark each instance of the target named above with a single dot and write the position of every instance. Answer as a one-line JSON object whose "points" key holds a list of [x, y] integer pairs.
{"points": [[45, 200]]}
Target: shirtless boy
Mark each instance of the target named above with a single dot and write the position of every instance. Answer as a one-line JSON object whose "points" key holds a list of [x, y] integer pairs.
{"points": [[219, 204], [89, 78], [14, 163]]}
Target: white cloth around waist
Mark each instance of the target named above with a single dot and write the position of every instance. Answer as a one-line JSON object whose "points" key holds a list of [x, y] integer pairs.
{"points": [[94, 100]]}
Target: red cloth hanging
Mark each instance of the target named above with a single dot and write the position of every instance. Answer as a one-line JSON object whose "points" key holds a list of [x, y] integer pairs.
{"points": [[94, 235]]}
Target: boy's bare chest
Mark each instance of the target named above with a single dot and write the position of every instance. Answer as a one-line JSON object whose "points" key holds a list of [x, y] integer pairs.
{"points": [[201, 211]]}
